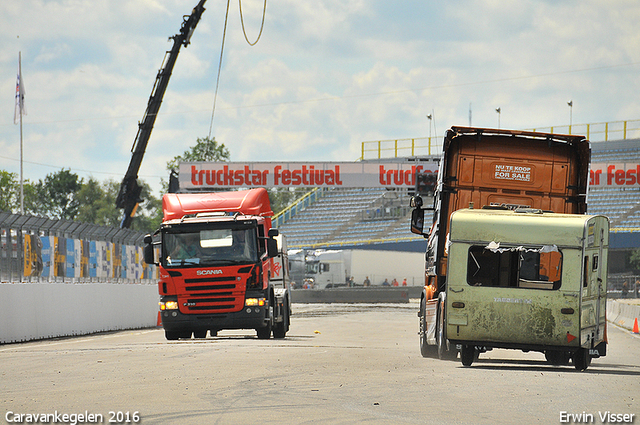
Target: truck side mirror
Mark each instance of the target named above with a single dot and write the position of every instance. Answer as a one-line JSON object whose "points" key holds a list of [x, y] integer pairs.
{"points": [[417, 221], [273, 233], [272, 247], [148, 251], [416, 201]]}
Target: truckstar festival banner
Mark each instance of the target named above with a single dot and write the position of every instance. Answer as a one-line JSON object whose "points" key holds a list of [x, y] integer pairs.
{"points": [[621, 175], [209, 175]]}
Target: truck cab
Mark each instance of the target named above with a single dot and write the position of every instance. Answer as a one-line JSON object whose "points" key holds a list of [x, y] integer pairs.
{"points": [[217, 270]]}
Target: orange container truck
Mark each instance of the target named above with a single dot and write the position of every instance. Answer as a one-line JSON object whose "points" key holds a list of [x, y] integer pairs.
{"points": [[499, 169]]}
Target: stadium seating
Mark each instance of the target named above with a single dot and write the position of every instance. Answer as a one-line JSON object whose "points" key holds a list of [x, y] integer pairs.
{"points": [[621, 205]]}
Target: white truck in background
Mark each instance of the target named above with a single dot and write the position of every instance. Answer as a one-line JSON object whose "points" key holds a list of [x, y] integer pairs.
{"points": [[323, 269]]}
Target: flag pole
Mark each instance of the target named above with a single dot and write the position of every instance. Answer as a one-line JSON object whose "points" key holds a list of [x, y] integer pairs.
{"points": [[21, 171]]}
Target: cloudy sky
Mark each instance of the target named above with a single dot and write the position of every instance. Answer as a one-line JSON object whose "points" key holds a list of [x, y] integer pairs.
{"points": [[325, 76]]}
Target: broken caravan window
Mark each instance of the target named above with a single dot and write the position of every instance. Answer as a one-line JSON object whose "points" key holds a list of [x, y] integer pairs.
{"points": [[515, 267]]}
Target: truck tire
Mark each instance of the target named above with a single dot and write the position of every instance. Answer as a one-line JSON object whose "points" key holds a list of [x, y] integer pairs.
{"points": [[171, 335], [581, 359], [264, 333], [200, 334], [281, 328], [441, 336], [426, 350], [467, 355]]}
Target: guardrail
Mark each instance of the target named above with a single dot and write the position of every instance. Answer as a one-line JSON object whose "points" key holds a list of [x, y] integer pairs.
{"points": [[599, 132], [298, 205], [357, 242], [421, 146], [417, 146], [39, 249]]}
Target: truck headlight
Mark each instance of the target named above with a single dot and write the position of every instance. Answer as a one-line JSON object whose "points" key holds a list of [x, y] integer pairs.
{"points": [[168, 305], [252, 302]]}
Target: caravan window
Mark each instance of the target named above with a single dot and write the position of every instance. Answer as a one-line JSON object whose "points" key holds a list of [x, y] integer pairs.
{"points": [[515, 267]]}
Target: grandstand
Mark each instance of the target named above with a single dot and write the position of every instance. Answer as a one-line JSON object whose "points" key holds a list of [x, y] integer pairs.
{"points": [[353, 217], [621, 205], [349, 217]]}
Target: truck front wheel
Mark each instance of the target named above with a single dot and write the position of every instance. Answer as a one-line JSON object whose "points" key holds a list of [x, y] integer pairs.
{"points": [[264, 333], [200, 334], [444, 353], [426, 350], [281, 328], [171, 335]]}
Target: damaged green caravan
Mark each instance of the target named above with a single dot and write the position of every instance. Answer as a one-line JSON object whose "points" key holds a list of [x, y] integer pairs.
{"points": [[527, 280]]}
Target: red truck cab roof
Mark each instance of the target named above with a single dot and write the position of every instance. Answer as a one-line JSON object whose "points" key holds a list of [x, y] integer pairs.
{"points": [[247, 202]]}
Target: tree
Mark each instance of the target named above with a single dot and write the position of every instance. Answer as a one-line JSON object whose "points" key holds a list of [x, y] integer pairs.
{"points": [[9, 187], [281, 198], [97, 205], [90, 197], [64, 195], [10, 194], [206, 149], [58, 194], [149, 215], [634, 259]]}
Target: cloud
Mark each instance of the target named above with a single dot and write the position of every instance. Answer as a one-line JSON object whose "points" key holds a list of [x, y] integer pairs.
{"points": [[325, 76]]}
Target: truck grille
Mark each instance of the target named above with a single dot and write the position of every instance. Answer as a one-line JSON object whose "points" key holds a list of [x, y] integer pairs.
{"points": [[211, 279], [209, 287], [213, 294], [210, 307]]}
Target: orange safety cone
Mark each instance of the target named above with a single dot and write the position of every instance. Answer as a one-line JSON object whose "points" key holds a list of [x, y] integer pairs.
{"points": [[159, 320], [635, 326]]}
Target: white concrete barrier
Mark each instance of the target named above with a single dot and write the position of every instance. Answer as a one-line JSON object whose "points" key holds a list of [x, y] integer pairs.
{"points": [[623, 313], [47, 310]]}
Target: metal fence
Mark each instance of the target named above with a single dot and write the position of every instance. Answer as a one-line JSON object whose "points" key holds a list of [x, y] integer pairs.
{"points": [[395, 148], [616, 286], [39, 249], [421, 146]]}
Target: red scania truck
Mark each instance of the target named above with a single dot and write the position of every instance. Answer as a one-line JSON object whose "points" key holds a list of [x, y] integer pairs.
{"points": [[221, 265], [496, 169]]}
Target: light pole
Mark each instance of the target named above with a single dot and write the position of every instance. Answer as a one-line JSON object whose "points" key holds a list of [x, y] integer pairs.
{"points": [[570, 103], [498, 111]]}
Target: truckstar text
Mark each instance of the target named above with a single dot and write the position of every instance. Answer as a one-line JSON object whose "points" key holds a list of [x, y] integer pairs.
{"points": [[399, 177], [305, 176], [203, 175]]}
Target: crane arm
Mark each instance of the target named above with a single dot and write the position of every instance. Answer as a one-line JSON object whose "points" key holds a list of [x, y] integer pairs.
{"points": [[129, 194]]}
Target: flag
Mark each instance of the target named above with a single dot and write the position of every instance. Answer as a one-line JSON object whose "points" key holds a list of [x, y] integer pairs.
{"points": [[20, 110]]}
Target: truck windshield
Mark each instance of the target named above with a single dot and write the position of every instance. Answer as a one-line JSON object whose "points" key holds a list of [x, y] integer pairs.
{"points": [[210, 247], [517, 267], [312, 268]]}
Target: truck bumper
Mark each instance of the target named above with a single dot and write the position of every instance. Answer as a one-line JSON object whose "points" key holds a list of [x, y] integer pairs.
{"points": [[599, 350], [247, 318]]}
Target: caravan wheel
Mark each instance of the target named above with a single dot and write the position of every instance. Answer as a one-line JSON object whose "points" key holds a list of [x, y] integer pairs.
{"points": [[581, 359]]}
